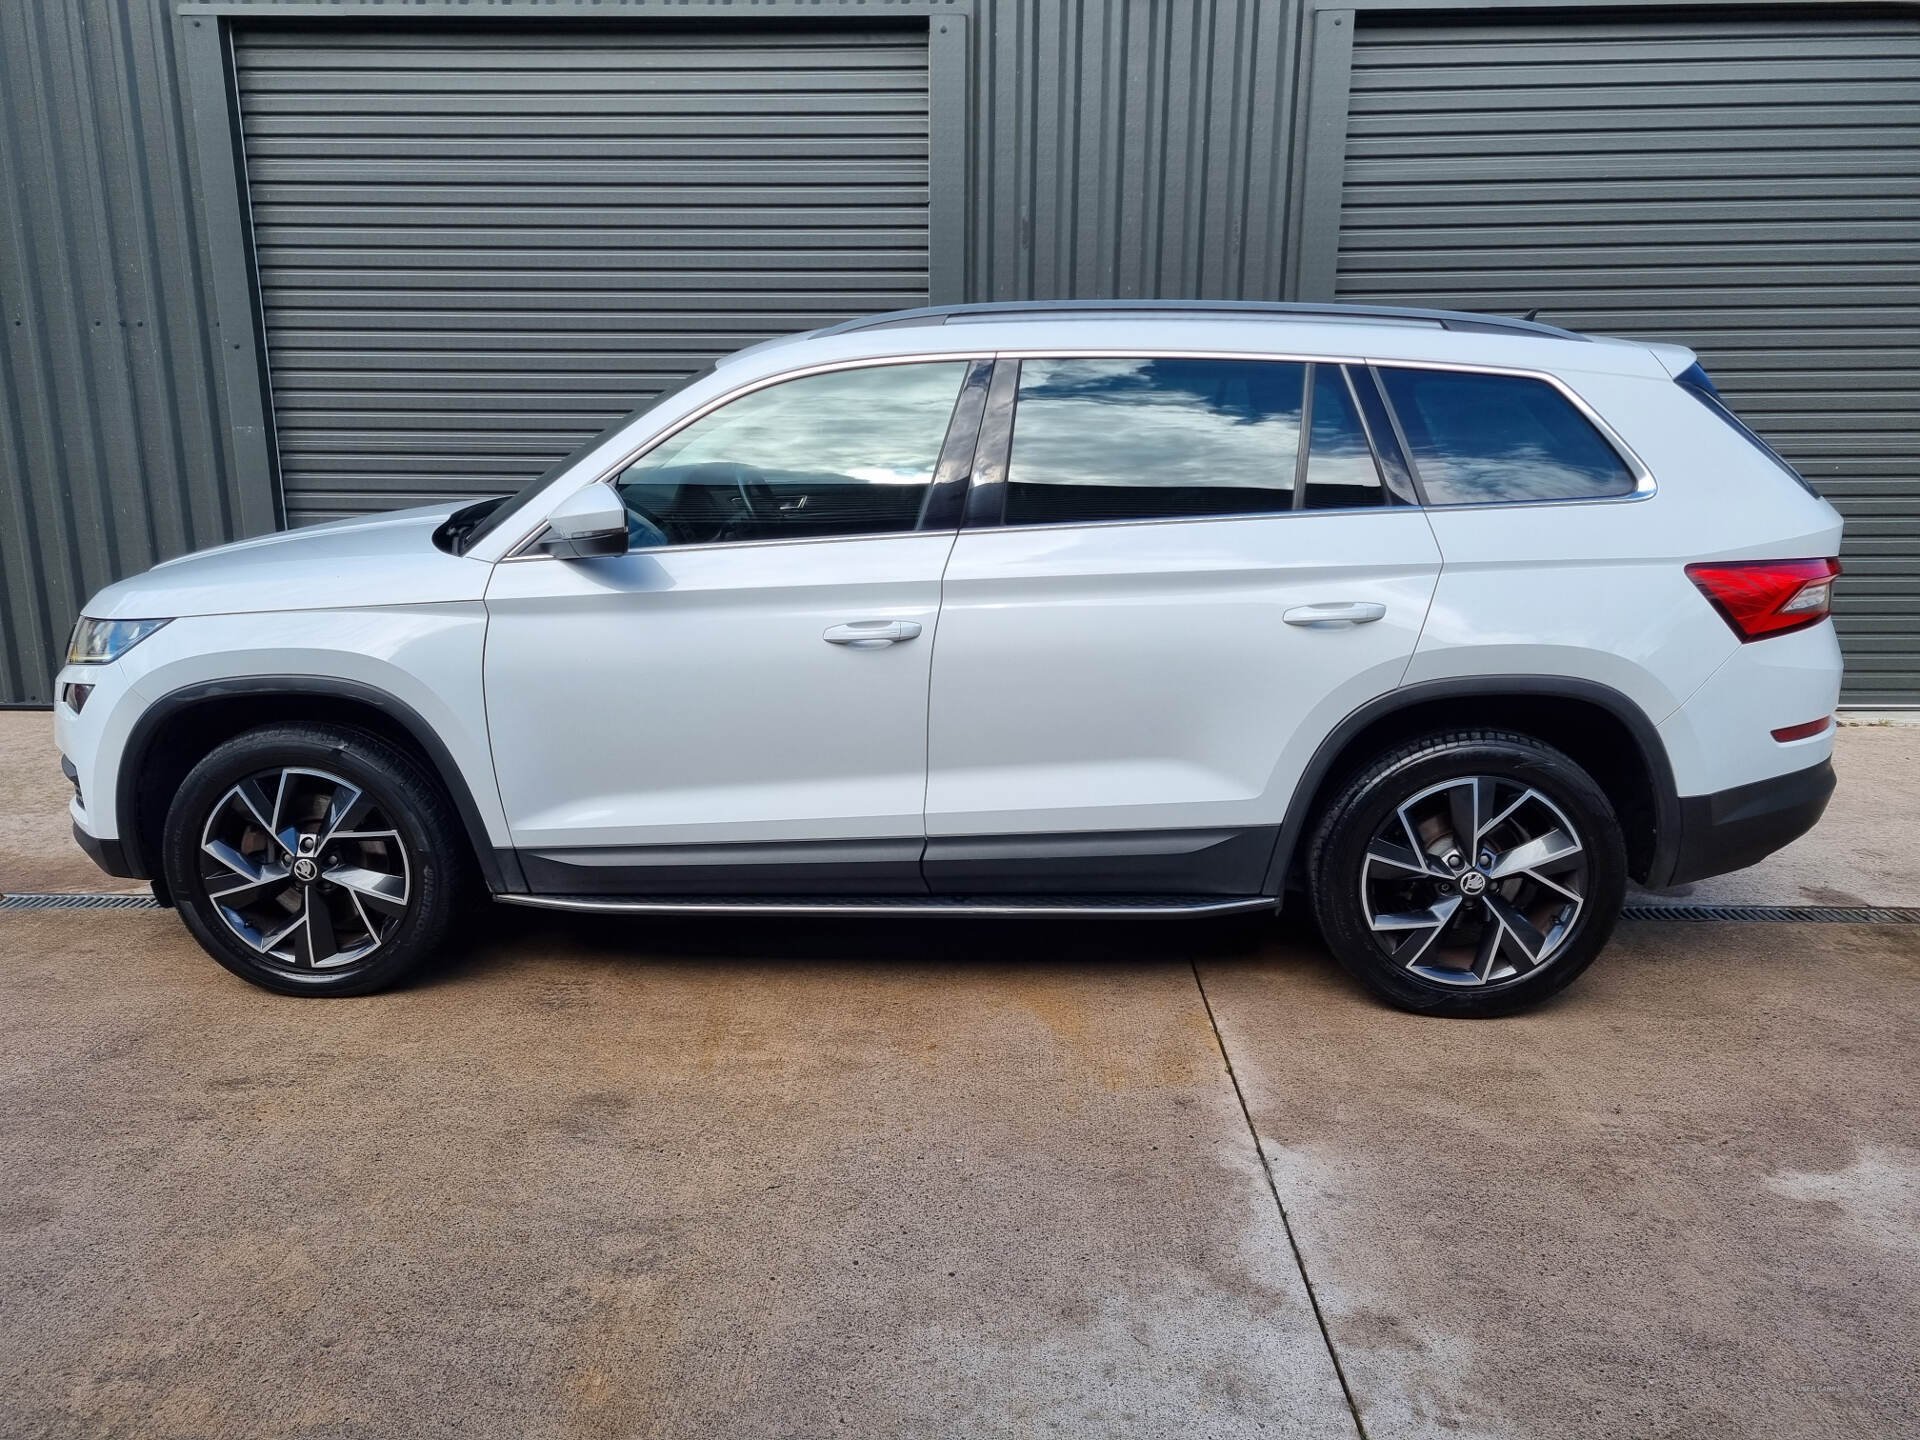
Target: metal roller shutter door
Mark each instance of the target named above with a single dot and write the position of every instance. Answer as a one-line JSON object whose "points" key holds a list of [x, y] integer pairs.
{"points": [[1747, 187], [478, 247]]}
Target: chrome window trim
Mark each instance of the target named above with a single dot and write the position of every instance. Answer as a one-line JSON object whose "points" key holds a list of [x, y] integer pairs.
{"points": [[943, 533], [1232, 515], [517, 551], [1644, 484]]}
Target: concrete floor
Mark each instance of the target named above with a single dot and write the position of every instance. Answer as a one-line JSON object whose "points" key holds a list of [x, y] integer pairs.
{"points": [[1682, 1201], [605, 1178], [37, 852]]}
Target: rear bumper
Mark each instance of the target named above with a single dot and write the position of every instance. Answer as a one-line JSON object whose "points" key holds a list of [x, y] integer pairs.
{"points": [[1731, 829]]}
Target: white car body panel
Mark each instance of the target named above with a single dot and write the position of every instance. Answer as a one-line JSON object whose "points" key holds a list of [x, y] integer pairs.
{"points": [[95, 740], [381, 560], [425, 656], [687, 695], [1722, 736], [1602, 613], [1140, 676]]}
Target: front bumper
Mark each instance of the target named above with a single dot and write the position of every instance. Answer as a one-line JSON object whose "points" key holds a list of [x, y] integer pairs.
{"points": [[1731, 829], [109, 855]]}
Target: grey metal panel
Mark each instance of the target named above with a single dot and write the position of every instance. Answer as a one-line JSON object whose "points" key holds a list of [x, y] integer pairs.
{"points": [[1128, 150], [1324, 174], [207, 60], [477, 246], [1744, 185], [949, 132], [114, 441]]}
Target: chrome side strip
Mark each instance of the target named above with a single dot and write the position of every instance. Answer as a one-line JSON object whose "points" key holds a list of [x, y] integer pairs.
{"points": [[931, 905]]}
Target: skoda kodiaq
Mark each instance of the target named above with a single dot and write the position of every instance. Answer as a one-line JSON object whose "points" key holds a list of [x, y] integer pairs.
{"points": [[1452, 624]]}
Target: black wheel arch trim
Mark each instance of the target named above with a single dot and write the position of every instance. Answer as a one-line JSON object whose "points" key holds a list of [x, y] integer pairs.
{"points": [[499, 868], [1653, 751]]}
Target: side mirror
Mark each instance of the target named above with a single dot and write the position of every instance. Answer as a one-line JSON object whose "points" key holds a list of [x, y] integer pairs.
{"points": [[587, 523]]}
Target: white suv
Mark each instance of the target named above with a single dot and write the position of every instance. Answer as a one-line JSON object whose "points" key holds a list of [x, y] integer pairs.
{"points": [[1453, 622]]}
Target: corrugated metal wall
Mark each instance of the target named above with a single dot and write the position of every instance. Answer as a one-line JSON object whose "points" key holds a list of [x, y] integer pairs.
{"points": [[113, 436], [479, 247], [1746, 185], [1131, 149]]}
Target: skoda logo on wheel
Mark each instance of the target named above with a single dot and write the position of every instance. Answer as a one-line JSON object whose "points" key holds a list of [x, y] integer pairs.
{"points": [[1471, 883], [304, 870]]}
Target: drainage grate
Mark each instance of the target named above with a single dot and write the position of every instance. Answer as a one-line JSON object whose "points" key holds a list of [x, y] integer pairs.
{"points": [[1781, 914], [78, 902]]}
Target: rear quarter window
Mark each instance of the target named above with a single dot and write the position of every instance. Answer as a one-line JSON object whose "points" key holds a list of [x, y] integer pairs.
{"points": [[1485, 439]]}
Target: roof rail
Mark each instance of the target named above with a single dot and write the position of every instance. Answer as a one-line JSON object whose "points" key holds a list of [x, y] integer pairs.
{"points": [[1252, 309]]}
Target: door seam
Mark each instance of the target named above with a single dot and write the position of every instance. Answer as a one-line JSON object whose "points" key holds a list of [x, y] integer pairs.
{"points": [[926, 737], [1439, 574]]}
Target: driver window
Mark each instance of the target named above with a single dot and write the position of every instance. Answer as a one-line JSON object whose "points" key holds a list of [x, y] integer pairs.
{"points": [[847, 452]]}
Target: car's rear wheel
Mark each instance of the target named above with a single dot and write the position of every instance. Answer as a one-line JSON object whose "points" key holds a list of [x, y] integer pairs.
{"points": [[314, 859], [1470, 873]]}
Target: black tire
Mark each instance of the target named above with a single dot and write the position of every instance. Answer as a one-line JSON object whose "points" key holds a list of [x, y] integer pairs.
{"points": [[1472, 964], [376, 939]]}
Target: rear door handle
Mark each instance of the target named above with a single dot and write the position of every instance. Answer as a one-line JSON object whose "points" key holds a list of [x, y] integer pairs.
{"points": [[871, 634], [1344, 612]]}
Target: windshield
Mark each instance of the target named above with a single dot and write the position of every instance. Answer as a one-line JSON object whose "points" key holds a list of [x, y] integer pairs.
{"points": [[486, 516]]}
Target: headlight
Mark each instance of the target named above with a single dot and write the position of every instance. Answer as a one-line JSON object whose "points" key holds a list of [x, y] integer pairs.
{"points": [[96, 642]]}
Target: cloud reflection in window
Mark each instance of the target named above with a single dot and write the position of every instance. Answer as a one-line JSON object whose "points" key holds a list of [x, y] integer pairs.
{"points": [[1156, 422], [877, 425]]}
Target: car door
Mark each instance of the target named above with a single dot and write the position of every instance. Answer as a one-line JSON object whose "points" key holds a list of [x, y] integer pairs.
{"points": [[1161, 600], [739, 703]]}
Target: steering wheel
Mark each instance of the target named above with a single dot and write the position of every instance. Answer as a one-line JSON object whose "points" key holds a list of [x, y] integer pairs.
{"points": [[732, 496], [712, 502]]}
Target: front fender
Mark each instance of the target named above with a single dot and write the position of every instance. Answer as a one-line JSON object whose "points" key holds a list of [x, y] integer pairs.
{"points": [[420, 665]]}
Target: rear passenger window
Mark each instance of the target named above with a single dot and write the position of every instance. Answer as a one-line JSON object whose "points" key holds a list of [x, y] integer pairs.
{"points": [[1482, 438], [1166, 438]]}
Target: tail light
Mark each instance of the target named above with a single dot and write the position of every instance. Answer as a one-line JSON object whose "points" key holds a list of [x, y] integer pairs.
{"points": [[1761, 598]]}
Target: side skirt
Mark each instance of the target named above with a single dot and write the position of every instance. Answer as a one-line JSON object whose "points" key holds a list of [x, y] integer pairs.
{"points": [[1066, 907], [1125, 864]]}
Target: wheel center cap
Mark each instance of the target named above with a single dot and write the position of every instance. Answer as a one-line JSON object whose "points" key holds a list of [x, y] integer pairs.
{"points": [[1471, 883], [305, 871]]}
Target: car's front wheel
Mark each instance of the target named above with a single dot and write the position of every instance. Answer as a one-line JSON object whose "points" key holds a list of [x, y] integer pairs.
{"points": [[1469, 873], [314, 859]]}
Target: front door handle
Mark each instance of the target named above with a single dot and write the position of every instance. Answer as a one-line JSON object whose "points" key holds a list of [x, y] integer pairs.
{"points": [[871, 634], [1344, 612]]}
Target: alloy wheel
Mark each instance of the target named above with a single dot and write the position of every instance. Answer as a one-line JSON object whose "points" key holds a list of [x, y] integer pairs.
{"points": [[305, 867], [1474, 881]]}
